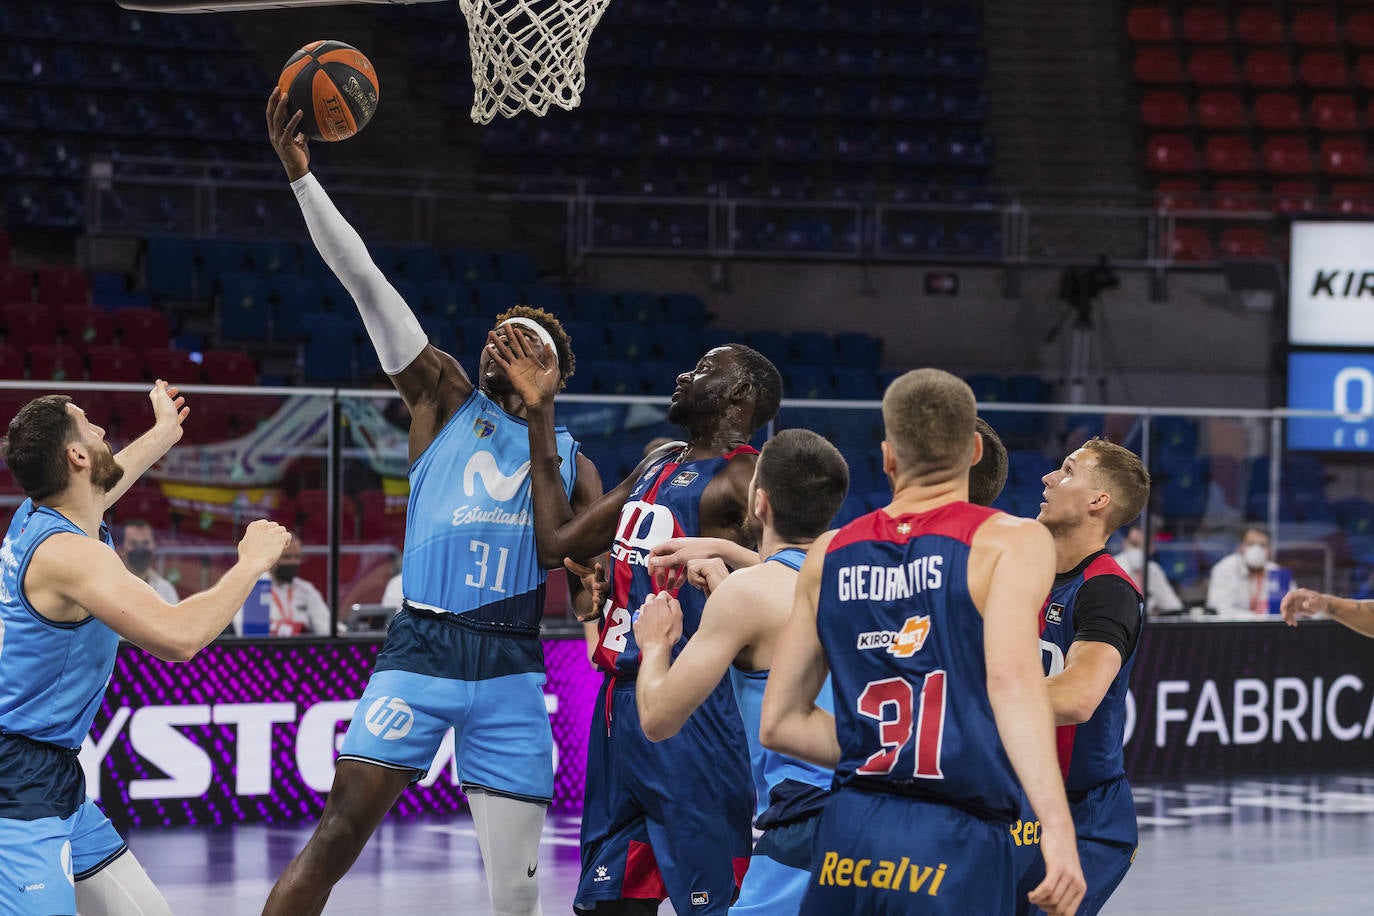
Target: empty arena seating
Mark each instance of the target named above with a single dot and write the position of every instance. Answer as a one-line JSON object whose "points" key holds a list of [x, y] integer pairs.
{"points": [[1236, 91]]}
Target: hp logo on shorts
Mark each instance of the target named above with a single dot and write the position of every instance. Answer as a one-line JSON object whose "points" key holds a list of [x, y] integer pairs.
{"points": [[389, 718]]}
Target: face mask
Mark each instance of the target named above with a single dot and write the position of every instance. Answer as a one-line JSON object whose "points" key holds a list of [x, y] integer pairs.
{"points": [[1132, 558], [1255, 556], [287, 571], [140, 558]]}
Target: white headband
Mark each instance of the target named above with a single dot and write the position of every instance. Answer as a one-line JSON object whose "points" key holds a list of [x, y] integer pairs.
{"points": [[534, 326]]}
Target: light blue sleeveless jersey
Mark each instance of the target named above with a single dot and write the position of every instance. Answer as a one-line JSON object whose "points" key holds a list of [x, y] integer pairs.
{"points": [[52, 675], [469, 523], [769, 768]]}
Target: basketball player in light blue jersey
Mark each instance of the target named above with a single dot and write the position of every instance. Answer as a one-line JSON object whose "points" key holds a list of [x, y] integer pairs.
{"points": [[481, 529], [65, 601], [799, 483]]}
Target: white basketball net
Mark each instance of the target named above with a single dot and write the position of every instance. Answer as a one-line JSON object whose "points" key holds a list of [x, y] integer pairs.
{"points": [[527, 54]]}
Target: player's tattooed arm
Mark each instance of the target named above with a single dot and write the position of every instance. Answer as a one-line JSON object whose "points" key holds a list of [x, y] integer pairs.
{"points": [[725, 504], [792, 723], [169, 412]]}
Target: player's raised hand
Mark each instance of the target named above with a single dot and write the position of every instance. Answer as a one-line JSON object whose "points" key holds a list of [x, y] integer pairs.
{"points": [[531, 367], [169, 406], [1303, 602], [595, 583], [1062, 890], [291, 145], [262, 544], [658, 621]]}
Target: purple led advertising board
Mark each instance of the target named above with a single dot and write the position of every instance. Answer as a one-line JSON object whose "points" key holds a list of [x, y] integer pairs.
{"points": [[249, 732]]}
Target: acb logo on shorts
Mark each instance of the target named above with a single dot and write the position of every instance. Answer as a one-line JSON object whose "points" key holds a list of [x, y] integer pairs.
{"points": [[701, 898], [389, 718]]}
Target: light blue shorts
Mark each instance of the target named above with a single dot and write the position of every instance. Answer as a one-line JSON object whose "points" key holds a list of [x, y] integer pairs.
{"points": [[41, 860]]}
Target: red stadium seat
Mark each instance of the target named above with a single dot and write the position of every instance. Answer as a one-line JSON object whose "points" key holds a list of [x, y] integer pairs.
{"points": [[228, 367], [1353, 198], [1158, 67], [63, 286], [173, 365], [1245, 242], [1364, 71], [1189, 243], [1334, 114], [85, 327], [315, 516], [1287, 156], [57, 362], [1278, 111], [1229, 154], [16, 284], [143, 327], [1323, 70], [114, 364], [11, 366], [1359, 30], [1213, 67], [210, 420], [1237, 196], [1205, 25], [1150, 25], [147, 504], [1316, 29], [4, 247], [1171, 153], [1220, 111], [1259, 26], [1295, 197], [29, 325], [1343, 157], [1268, 70], [1165, 109], [381, 519], [1179, 194]]}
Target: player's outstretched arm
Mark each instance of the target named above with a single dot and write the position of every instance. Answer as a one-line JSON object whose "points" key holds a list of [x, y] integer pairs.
{"points": [[792, 723], [169, 412], [667, 692], [431, 382], [1304, 602], [1016, 558], [592, 530], [71, 569]]}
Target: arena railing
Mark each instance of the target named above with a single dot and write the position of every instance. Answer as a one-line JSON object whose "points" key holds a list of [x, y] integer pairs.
{"points": [[331, 459], [569, 218]]}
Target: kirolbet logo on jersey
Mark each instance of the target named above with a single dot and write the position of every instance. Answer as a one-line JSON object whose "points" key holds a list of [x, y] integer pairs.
{"points": [[903, 643], [841, 871]]}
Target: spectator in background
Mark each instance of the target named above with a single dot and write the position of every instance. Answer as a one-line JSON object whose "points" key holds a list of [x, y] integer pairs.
{"points": [[138, 549], [1160, 594], [1240, 582], [297, 607], [392, 596]]}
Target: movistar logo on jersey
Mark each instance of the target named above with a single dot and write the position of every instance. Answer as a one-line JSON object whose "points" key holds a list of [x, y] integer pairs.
{"points": [[903, 643], [499, 486]]}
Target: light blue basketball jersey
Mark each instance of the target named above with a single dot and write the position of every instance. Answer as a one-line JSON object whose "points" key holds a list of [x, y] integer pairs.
{"points": [[469, 523], [769, 768], [52, 675]]}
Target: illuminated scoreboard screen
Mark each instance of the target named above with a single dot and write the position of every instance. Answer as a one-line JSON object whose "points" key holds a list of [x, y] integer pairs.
{"points": [[1342, 382]]}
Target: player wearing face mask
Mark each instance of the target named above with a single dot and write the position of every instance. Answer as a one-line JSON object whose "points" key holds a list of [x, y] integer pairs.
{"points": [[297, 607], [137, 549], [1239, 583]]}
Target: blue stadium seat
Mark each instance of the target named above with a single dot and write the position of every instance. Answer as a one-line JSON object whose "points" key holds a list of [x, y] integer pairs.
{"points": [[447, 300], [639, 307], [631, 341], [468, 266], [1026, 465], [441, 332], [329, 348], [293, 296], [588, 341], [549, 298], [852, 383], [684, 308], [1185, 490], [772, 345], [492, 298], [810, 348], [472, 334], [169, 267], [219, 256], [245, 307], [1181, 567], [853, 348], [420, 263], [803, 381], [273, 256], [517, 267], [592, 305], [1173, 437], [1028, 389]]}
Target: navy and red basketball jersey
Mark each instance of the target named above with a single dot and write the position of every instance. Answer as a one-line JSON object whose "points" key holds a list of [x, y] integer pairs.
{"points": [[905, 645], [665, 503], [1089, 754]]}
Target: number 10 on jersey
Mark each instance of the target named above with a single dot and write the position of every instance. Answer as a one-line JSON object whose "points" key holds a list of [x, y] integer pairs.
{"points": [[893, 702]]}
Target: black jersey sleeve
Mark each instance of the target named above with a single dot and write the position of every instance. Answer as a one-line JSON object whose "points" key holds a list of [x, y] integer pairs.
{"points": [[1107, 610]]}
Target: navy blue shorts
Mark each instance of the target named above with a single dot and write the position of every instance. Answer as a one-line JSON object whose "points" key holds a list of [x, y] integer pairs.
{"points": [[882, 854], [670, 819], [1104, 819]]}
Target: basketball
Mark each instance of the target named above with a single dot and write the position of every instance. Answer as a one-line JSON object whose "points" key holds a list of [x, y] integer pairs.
{"points": [[335, 85]]}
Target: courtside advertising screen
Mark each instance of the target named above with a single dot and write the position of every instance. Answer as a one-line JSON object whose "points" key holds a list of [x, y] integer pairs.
{"points": [[1331, 285], [1341, 382]]}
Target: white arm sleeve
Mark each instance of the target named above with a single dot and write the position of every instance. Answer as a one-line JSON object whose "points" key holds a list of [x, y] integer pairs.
{"points": [[396, 335]]}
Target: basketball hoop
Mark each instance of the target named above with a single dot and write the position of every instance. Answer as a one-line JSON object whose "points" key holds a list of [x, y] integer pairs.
{"points": [[528, 54]]}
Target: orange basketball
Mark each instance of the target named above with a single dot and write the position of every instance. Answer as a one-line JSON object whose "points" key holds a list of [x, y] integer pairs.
{"points": [[336, 87]]}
